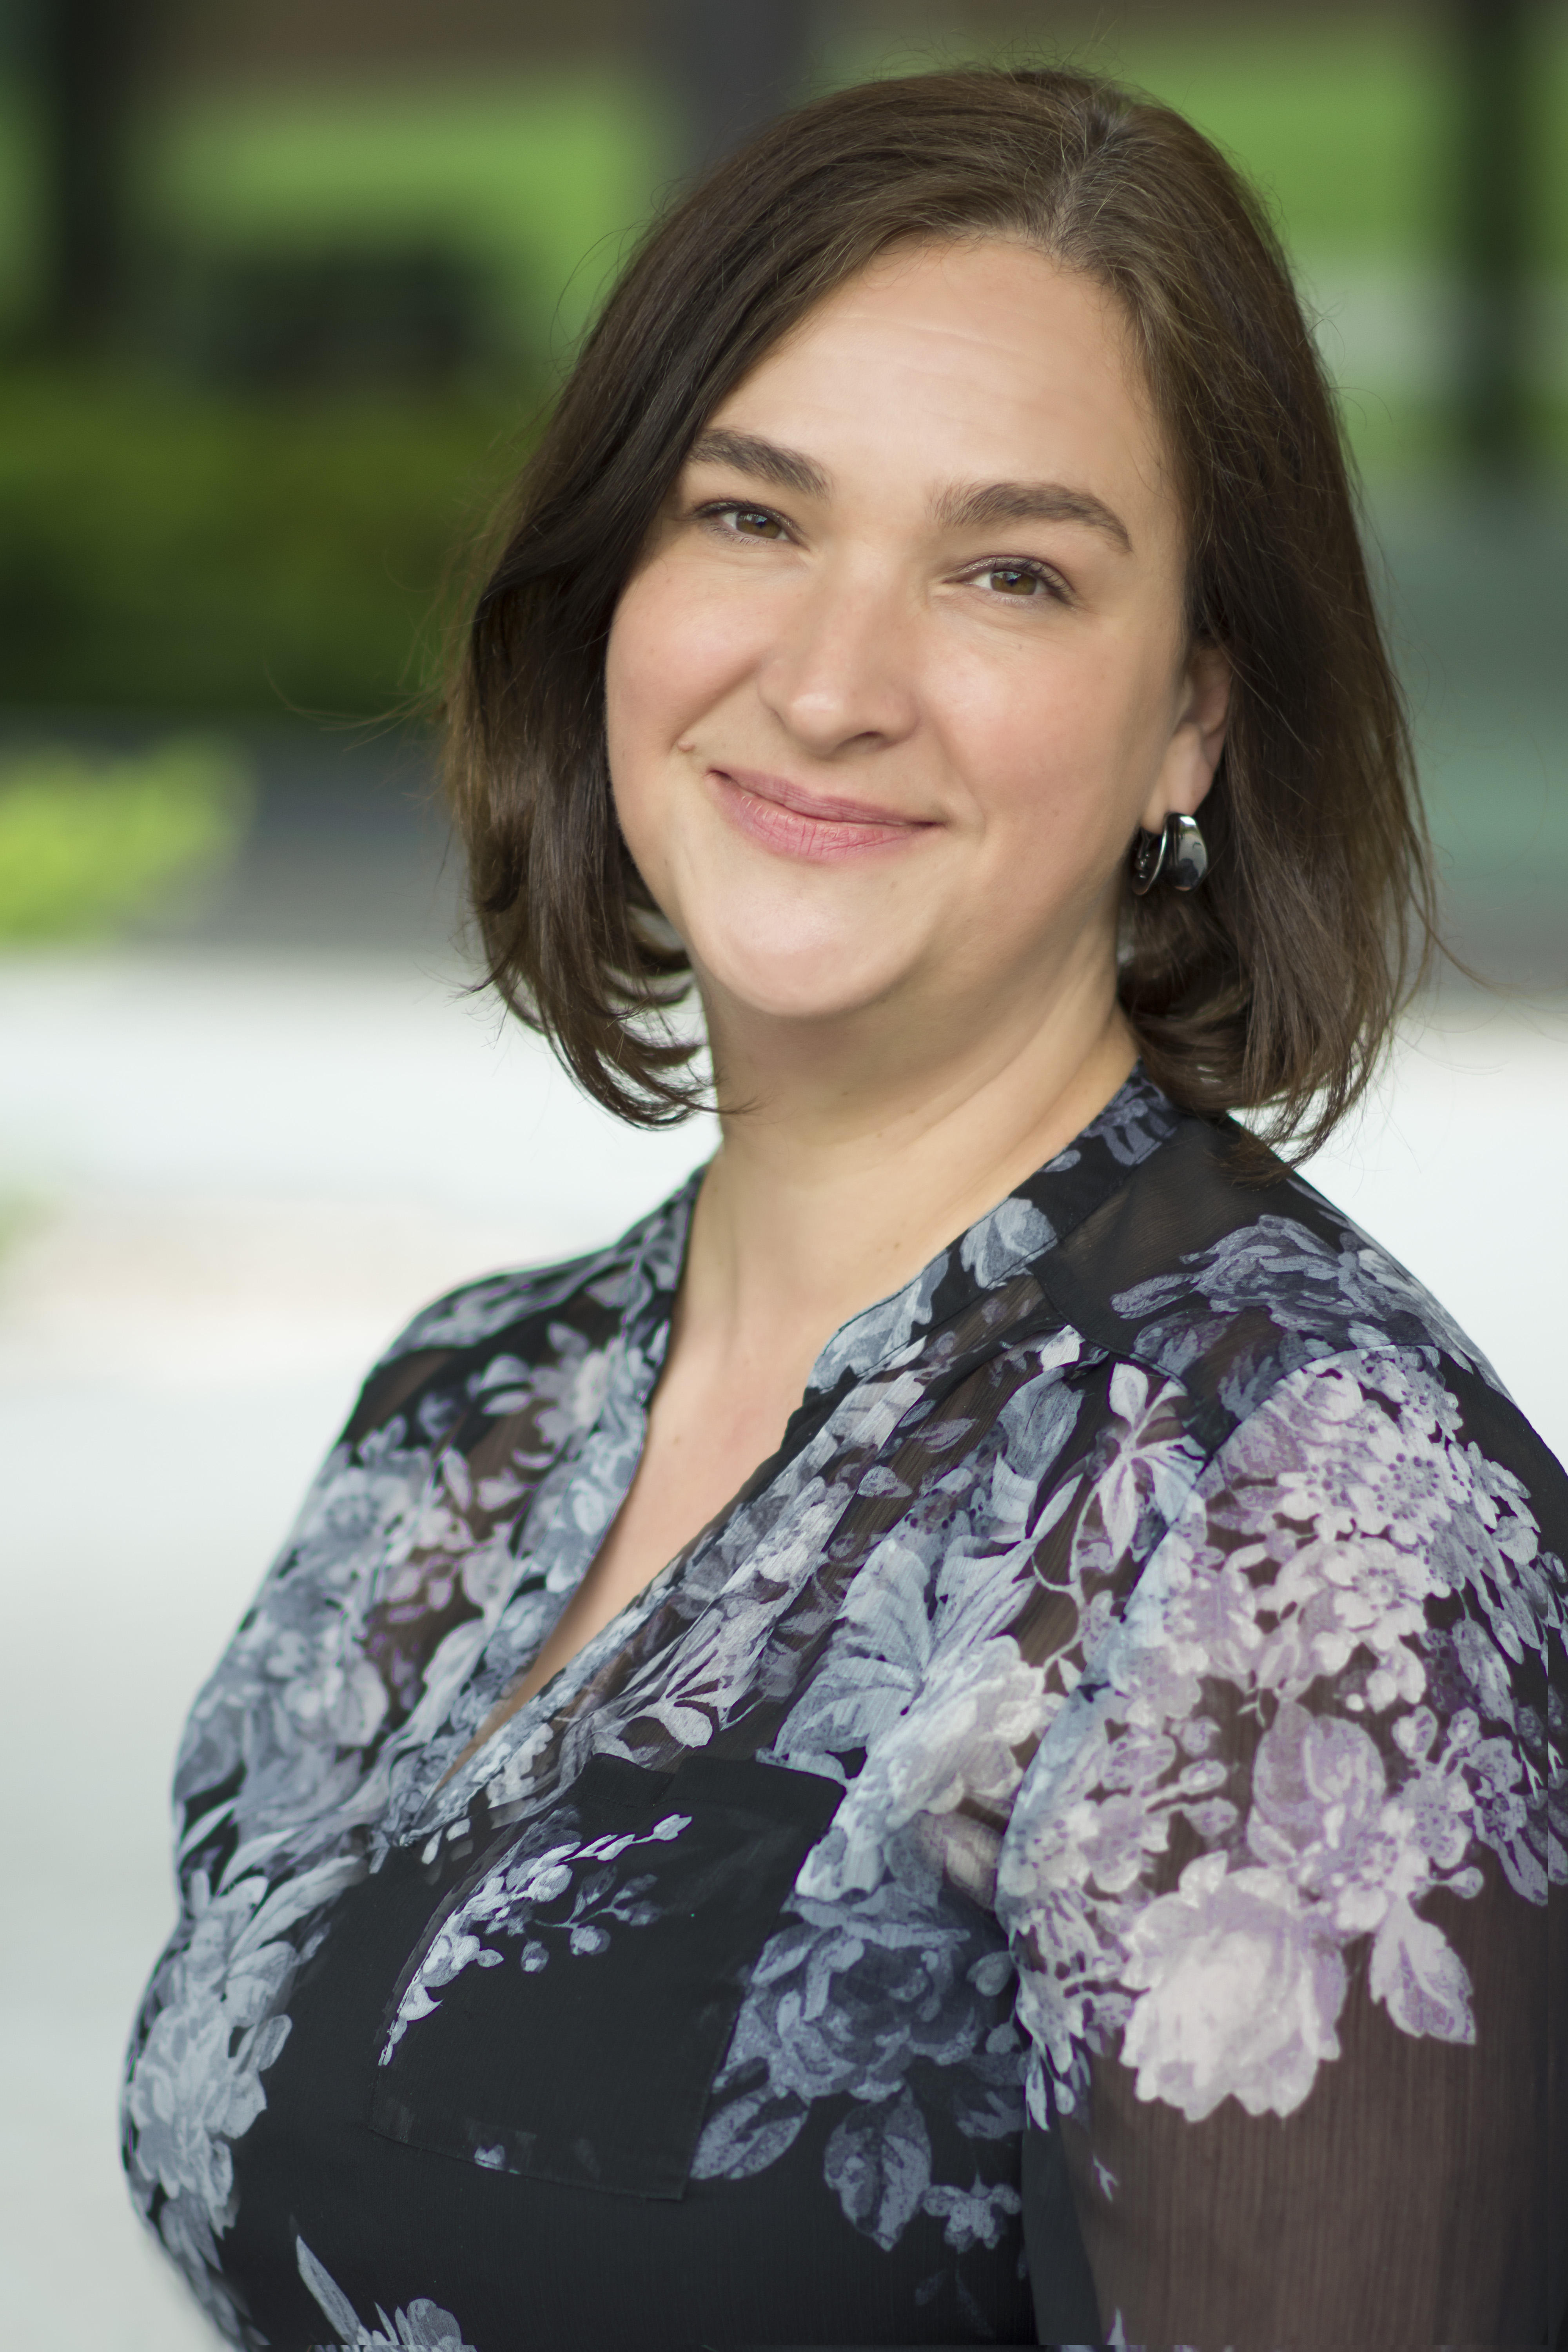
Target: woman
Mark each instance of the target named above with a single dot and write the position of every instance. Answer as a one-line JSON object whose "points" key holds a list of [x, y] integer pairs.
{"points": [[949, 1742]]}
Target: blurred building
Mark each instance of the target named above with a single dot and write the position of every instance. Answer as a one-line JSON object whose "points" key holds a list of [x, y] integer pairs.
{"points": [[404, 188], [285, 288]]}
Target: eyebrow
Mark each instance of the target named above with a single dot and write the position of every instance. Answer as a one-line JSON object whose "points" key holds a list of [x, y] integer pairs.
{"points": [[965, 508], [961, 508], [786, 468]]}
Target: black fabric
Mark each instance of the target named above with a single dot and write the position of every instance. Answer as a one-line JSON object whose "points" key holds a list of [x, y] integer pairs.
{"points": [[1067, 2309], [543, 2263], [600, 2076], [1075, 1848]]}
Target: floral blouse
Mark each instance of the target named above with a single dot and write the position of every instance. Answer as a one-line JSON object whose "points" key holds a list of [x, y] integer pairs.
{"points": [[1062, 1857]]}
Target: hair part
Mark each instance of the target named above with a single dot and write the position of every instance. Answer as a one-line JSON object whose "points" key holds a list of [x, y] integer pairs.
{"points": [[1275, 986]]}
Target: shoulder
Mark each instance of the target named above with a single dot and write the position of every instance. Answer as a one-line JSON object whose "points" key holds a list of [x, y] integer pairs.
{"points": [[1287, 1338], [503, 1305], [545, 1321], [1230, 1284]]}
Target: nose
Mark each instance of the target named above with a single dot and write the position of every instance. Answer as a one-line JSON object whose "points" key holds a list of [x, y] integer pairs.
{"points": [[841, 675]]}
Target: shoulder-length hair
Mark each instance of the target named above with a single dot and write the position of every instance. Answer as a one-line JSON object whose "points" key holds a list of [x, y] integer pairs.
{"points": [[1271, 987]]}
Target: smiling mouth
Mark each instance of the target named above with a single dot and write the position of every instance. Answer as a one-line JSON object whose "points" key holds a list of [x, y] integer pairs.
{"points": [[820, 826]]}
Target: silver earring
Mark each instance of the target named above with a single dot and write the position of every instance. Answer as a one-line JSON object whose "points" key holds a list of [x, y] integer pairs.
{"points": [[1180, 853]]}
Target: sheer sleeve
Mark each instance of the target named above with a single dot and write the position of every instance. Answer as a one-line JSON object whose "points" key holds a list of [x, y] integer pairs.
{"points": [[1278, 1878]]}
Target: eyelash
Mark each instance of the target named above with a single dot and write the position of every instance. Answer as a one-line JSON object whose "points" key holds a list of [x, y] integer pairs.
{"points": [[1031, 568], [718, 508], [1051, 582]]}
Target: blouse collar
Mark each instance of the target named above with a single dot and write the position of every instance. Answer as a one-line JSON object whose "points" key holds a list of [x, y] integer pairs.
{"points": [[1038, 1213]]}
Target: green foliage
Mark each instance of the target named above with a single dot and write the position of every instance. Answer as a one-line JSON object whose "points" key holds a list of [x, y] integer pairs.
{"points": [[1340, 123], [1343, 117], [540, 178], [172, 549], [87, 842], [166, 549], [21, 206]]}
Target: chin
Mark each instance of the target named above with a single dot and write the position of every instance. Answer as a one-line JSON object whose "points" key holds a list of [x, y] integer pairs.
{"points": [[827, 979]]}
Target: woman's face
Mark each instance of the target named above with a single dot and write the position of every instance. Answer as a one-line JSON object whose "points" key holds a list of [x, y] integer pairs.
{"points": [[903, 664]]}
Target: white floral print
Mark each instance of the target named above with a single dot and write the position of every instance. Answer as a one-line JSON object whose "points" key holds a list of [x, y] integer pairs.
{"points": [[1178, 1615], [423, 2327], [1240, 1988], [505, 1905], [1309, 1554]]}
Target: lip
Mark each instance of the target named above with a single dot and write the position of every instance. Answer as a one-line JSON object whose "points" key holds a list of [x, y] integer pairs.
{"points": [[819, 826]]}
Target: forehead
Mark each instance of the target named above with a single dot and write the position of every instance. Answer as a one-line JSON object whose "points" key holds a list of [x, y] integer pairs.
{"points": [[981, 360]]}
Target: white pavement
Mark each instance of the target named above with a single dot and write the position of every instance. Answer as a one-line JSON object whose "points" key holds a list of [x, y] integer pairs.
{"points": [[234, 1180]]}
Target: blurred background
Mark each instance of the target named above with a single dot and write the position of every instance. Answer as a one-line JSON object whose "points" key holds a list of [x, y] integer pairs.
{"points": [[284, 292]]}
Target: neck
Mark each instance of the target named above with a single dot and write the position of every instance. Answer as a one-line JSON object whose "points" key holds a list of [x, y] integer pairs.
{"points": [[865, 1145]]}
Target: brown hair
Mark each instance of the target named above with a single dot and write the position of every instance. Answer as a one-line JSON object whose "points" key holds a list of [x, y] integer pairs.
{"points": [[1275, 983]]}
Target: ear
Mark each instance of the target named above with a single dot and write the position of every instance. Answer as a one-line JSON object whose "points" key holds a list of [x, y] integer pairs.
{"points": [[1198, 738]]}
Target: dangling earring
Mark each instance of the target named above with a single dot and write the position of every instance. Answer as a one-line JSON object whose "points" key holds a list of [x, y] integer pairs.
{"points": [[1180, 853]]}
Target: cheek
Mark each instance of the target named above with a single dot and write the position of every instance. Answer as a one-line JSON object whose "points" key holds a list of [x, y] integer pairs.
{"points": [[638, 674], [673, 653], [669, 662], [641, 718], [1061, 745]]}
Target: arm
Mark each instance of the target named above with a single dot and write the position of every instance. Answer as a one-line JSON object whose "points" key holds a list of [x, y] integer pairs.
{"points": [[1278, 1881]]}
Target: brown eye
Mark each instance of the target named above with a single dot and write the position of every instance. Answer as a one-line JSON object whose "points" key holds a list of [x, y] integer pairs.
{"points": [[1013, 580], [756, 522]]}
